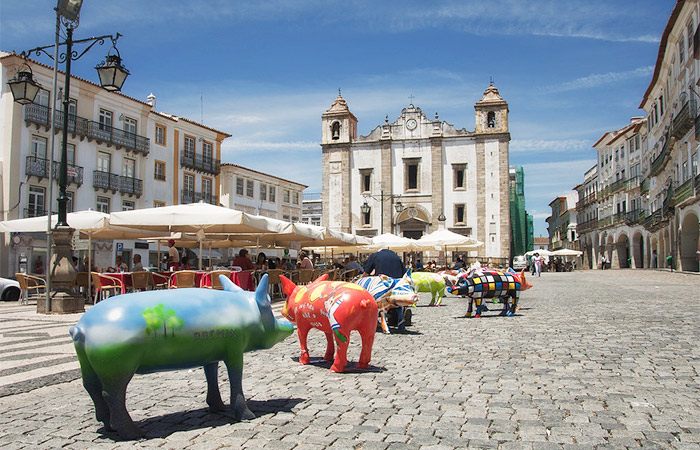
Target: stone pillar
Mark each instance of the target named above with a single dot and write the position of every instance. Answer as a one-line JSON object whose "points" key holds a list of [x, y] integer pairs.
{"points": [[62, 273], [614, 257]]}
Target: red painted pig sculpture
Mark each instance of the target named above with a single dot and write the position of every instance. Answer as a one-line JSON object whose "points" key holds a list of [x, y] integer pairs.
{"points": [[336, 308]]}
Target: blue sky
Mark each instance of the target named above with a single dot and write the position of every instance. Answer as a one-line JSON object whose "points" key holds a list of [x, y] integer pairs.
{"points": [[265, 71]]}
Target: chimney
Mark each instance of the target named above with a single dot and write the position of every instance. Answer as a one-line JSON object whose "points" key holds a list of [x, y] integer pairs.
{"points": [[151, 100]]}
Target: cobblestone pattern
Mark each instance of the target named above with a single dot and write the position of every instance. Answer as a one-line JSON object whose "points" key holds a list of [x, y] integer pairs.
{"points": [[592, 360]]}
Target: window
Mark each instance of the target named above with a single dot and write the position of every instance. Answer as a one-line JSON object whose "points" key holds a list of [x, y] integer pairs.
{"points": [[206, 190], [681, 50], [295, 198], [285, 196], [239, 185], [661, 105], [207, 153], [263, 191], [103, 204], [130, 125], [158, 204], [38, 149], [335, 131], [366, 218], [104, 162], [411, 174], [105, 120], [285, 217], [188, 184], [458, 173], [36, 202], [69, 202], [189, 147], [686, 174], [491, 119], [295, 219], [459, 215], [42, 98], [273, 191], [159, 171], [690, 34], [70, 154], [249, 188], [366, 180], [160, 134], [694, 163], [127, 205], [128, 167]]}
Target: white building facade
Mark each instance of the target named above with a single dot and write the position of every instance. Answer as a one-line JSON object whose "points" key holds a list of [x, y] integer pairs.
{"points": [[432, 168], [122, 155]]}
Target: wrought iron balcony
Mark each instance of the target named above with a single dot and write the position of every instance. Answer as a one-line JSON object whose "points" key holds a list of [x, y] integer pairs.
{"points": [[587, 226], [644, 186], [617, 186], [684, 120], [652, 221], [75, 173], [106, 181], [632, 217], [132, 186], [660, 161], [187, 196], [619, 217], [39, 115], [200, 162], [668, 203], [38, 167], [605, 221]]}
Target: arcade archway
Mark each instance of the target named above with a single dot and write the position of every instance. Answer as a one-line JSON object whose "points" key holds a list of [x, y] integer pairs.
{"points": [[689, 235]]}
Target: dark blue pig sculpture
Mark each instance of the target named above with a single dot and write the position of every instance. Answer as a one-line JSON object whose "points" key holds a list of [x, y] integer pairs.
{"points": [[172, 329]]}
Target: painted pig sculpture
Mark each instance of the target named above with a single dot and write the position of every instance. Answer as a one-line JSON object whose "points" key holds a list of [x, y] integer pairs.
{"points": [[484, 284], [336, 308], [432, 283], [390, 293], [172, 329]]}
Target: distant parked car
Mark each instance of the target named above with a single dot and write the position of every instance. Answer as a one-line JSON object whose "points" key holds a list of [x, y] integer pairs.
{"points": [[519, 263], [9, 290]]}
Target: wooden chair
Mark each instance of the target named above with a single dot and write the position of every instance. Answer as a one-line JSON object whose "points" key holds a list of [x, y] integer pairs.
{"points": [[332, 274], [273, 279], [160, 281], [105, 284], [183, 279], [141, 281], [215, 283], [306, 276], [80, 284], [31, 286]]}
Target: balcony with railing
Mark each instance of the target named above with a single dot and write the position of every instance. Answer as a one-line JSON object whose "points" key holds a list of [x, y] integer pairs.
{"points": [[605, 221], [586, 226], [619, 217], [187, 196], [653, 220], [644, 186], [661, 159], [74, 173], [37, 167], [634, 217], [131, 186], [39, 115], [683, 192], [684, 120], [106, 181], [617, 186], [200, 162], [585, 201], [668, 203]]}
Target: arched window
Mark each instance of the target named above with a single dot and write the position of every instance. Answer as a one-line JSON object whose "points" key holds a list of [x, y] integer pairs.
{"points": [[335, 131], [491, 119]]}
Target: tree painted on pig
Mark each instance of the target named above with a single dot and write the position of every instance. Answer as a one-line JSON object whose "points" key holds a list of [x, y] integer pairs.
{"points": [[161, 330], [336, 308]]}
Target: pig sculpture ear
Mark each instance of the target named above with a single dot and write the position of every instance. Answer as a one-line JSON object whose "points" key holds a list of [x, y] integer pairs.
{"points": [[261, 292], [288, 285], [229, 285], [408, 273]]}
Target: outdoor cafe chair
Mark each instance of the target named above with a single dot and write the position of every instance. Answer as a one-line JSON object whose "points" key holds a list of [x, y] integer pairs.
{"points": [[106, 284], [160, 281], [332, 274], [306, 276], [183, 279], [273, 279], [349, 275], [31, 286], [141, 281], [214, 282], [80, 284]]}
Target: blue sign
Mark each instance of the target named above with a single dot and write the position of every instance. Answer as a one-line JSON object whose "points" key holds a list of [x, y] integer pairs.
{"points": [[120, 246]]}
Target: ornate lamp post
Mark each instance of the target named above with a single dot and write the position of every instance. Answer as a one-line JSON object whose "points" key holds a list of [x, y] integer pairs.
{"points": [[381, 198], [24, 89]]}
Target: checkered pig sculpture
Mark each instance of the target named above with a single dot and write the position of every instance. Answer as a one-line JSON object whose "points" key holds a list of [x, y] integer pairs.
{"points": [[336, 308], [389, 293], [162, 330], [483, 284]]}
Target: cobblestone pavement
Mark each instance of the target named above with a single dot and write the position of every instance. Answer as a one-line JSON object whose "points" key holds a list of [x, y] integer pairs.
{"points": [[604, 359]]}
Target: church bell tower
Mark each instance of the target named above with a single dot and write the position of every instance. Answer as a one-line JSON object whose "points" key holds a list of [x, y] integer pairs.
{"points": [[339, 124], [491, 113]]}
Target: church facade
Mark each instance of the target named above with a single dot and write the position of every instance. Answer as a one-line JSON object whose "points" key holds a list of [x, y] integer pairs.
{"points": [[409, 176]]}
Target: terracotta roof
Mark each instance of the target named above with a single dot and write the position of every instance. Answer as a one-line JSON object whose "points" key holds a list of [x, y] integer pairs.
{"points": [[662, 49], [261, 173]]}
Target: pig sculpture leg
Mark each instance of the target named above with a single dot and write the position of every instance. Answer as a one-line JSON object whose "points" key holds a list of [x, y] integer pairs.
{"points": [[93, 386], [234, 365], [211, 372]]}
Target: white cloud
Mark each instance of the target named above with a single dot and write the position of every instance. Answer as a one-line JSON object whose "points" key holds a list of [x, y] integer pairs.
{"points": [[551, 145], [599, 79]]}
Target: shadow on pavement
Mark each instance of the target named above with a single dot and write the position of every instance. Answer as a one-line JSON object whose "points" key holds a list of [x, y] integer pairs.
{"points": [[165, 425], [350, 368]]}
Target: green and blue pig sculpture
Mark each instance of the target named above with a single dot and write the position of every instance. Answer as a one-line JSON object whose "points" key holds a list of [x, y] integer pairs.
{"points": [[161, 330]]}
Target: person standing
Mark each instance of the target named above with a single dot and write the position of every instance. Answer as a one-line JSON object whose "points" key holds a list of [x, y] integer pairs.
{"points": [[537, 261], [173, 256], [387, 262]]}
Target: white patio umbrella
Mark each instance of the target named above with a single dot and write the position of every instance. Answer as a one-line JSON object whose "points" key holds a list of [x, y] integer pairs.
{"points": [[393, 242], [541, 252], [444, 239], [566, 252], [201, 218], [81, 220]]}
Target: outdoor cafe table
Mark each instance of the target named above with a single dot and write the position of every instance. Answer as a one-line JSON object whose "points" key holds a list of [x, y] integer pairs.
{"points": [[124, 277]]}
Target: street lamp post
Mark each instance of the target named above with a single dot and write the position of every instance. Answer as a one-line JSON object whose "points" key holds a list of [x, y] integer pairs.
{"points": [[24, 89], [381, 198]]}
